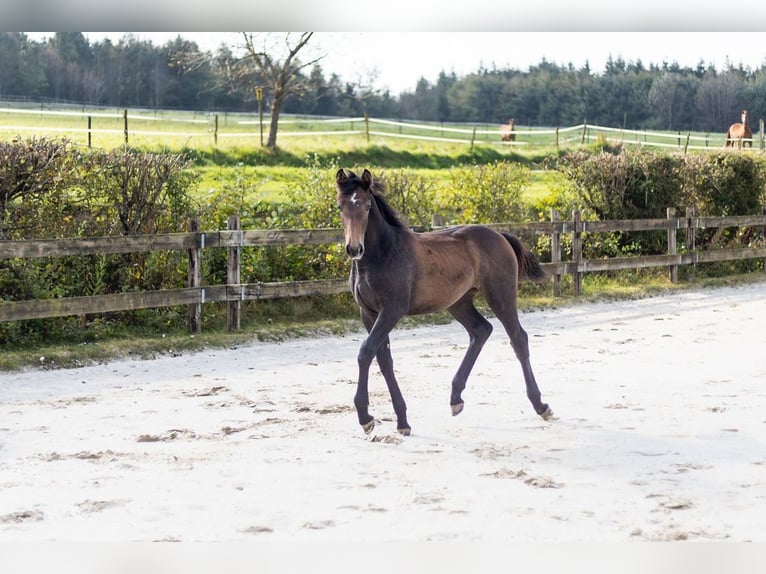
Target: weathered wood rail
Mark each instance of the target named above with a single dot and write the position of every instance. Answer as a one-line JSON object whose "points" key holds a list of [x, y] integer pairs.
{"points": [[233, 239]]}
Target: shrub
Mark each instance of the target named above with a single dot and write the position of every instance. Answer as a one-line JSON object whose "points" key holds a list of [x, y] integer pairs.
{"points": [[411, 195], [52, 191], [33, 174], [724, 183], [640, 184], [132, 192], [627, 185], [488, 193]]}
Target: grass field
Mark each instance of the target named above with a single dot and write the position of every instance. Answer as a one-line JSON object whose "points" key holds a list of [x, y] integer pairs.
{"points": [[226, 147], [238, 161], [162, 129]]}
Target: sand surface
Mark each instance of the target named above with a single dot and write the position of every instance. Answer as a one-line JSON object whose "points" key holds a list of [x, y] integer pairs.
{"points": [[660, 435]]}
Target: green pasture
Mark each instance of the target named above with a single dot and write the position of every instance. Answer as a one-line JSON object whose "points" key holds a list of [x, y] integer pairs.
{"points": [[229, 133], [238, 164], [270, 183], [227, 153]]}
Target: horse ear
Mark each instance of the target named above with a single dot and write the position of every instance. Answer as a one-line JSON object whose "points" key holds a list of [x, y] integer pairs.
{"points": [[340, 177], [367, 177]]}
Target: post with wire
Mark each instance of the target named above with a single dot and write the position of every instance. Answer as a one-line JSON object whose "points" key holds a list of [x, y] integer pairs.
{"points": [[259, 97]]}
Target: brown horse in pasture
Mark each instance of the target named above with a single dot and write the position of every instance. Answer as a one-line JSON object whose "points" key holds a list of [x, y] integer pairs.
{"points": [[506, 131], [739, 134], [397, 272]]}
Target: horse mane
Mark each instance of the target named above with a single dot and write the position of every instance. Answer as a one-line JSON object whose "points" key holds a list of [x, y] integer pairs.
{"points": [[389, 213]]}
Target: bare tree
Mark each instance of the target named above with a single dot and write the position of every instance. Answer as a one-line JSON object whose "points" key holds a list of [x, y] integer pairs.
{"points": [[279, 68], [666, 96], [718, 100]]}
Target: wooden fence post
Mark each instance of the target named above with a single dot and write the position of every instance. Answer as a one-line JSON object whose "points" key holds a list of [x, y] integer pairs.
{"points": [[125, 123], [691, 239], [473, 139], [760, 134], [215, 130], [577, 252], [556, 253], [672, 247], [90, 123], [367, 127], [557, 138], [195, 280], [584, 132], [233, 274]]}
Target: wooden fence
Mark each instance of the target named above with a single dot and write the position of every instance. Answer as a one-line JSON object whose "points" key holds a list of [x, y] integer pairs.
{"points": [[195, 294]]}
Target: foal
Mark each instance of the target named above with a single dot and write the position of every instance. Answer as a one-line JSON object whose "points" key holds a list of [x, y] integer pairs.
{"points": [[396, 272]]}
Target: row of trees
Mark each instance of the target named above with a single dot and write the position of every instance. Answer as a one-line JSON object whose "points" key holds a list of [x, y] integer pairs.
{"points": [[137, 73]]}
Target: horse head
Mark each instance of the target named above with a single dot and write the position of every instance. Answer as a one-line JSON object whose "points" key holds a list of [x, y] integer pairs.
{"points": [[355, 198]]}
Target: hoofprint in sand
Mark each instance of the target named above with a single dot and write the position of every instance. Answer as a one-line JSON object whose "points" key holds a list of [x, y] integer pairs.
{"points": [[660, 435]]}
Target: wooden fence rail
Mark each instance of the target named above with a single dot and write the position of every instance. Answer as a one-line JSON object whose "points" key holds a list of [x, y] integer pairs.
{"points": [[233, 239]]}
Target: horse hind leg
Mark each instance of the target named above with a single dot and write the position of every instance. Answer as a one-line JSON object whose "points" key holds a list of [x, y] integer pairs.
{"points": [[479, 330], [504, 306]]}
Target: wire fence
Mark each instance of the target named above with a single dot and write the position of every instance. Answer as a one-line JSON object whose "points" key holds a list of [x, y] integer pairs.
{"points": [[212, 127]]}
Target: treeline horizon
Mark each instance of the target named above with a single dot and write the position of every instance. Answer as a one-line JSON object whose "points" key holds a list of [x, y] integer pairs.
{"points": [[133, 72]]}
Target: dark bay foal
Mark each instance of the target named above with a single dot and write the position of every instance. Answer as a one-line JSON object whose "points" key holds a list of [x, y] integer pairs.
{"points": [[397, 272]]}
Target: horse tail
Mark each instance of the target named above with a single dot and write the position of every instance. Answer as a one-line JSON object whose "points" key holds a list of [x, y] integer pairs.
{"points": [[529, 264]]}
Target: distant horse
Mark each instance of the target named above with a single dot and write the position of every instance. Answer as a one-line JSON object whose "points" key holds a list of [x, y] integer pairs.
{"points": [[739, 134], [506, 131], [397, 272]]}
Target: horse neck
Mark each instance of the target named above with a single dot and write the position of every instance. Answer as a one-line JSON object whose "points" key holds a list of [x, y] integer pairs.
{"points": [[380, 236]]}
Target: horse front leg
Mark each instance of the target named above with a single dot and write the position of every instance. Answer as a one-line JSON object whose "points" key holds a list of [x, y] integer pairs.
{"points": [[377, 344], [362, 398], [386, 364]]}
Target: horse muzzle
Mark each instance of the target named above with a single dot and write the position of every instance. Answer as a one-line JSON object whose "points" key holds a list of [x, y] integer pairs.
{"points": [[355, 251]]}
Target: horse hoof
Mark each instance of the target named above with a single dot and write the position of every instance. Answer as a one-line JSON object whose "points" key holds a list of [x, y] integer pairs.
{"points": [[367, 427], [547, 414], [405, 431], [457, 409]]}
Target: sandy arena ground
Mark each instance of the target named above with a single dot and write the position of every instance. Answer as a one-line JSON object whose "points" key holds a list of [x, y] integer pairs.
{"points": [[660, 435]]}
